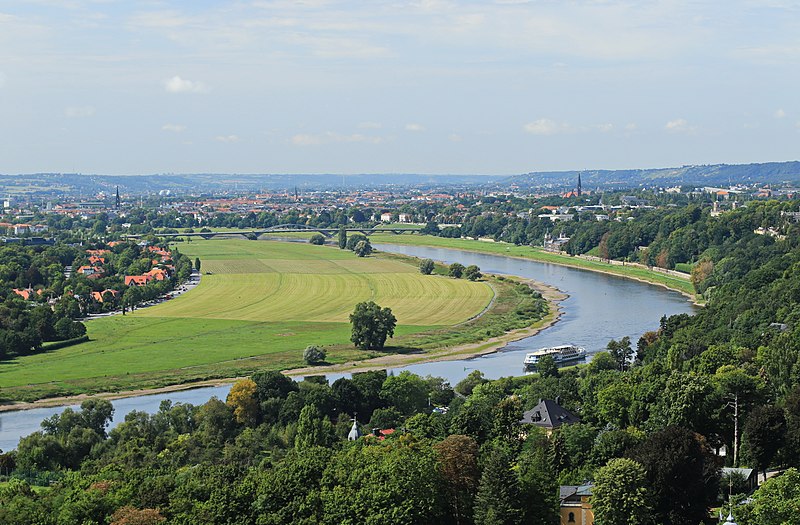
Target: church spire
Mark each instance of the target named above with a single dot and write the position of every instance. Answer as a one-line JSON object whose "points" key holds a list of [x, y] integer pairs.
{"points": [[355, 432], [117, 201], [579, 185]]}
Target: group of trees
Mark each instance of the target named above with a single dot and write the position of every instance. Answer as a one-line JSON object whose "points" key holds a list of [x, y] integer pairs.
{"points": [[357, 243], [56, 302], [276, 452], [471, 272], [26, 324], [455, 270]]}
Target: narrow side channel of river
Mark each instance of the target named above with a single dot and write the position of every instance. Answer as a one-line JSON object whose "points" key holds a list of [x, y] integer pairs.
{"points": [[599, 308]]}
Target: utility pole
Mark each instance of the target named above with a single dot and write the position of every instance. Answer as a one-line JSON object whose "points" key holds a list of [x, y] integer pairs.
{"points": [[735, 405]]}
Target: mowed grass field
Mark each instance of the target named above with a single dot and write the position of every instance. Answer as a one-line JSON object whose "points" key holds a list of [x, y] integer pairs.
{"points": [[261, 299]]}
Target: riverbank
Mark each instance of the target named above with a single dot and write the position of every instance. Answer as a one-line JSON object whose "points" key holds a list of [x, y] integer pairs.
{"points": [[671, 281], [465, 351]]}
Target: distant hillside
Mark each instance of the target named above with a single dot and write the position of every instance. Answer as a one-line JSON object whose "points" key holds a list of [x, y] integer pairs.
{"points": [[43, 185], [706, 175]]}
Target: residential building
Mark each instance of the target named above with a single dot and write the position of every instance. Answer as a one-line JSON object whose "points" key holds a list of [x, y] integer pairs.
{"points": [[549, 415], [576, 506]]}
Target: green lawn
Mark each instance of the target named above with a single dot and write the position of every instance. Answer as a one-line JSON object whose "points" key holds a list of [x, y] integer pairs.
{"points": [[262, 304], [676, 283]]}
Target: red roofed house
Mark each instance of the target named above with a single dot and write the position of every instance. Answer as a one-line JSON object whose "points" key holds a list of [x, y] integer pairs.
{"points": [[95, 259], [137, 280], [381, 434], [158, 274], [90, 270], [26, 293], [98, 296]]}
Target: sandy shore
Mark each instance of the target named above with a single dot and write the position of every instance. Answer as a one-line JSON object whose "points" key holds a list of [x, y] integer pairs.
{"points": [[552, 294]]}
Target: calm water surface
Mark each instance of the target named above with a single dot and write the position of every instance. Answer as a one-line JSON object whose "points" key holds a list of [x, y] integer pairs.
{"points": [[599, 308]]}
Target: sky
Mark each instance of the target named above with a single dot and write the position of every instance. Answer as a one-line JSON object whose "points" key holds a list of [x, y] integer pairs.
{"points": [[393, 86]]}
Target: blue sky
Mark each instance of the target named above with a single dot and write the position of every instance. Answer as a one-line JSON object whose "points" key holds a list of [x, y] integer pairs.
{"points": [[429, 86]]}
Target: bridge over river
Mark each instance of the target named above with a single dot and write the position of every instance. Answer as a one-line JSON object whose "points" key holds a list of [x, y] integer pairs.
{"points": [[255, 233]]}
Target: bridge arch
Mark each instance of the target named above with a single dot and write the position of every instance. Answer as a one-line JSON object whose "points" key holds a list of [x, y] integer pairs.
{"points": [[290, 227]]}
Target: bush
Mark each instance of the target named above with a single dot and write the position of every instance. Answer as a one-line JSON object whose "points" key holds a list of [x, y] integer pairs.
{"points": [[363, 248], [426, 267], [472, 272], [456, 270], [317, 239], [314, 355], [354, 239]]}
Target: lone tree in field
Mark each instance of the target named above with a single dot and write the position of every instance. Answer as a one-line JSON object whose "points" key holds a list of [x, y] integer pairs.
{"points": [[456, 270], [197, 263], [371, 325], [314, 355], [472, 272], [363, 248], [342, 237], [317, 239], [426, 267]]}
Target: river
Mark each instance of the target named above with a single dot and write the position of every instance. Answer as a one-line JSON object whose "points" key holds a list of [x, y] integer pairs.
{"points": [[600, 307]]}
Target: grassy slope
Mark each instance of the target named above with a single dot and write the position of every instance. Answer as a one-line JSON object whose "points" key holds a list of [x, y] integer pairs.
{"points": [[675, 283], [275, 299]]}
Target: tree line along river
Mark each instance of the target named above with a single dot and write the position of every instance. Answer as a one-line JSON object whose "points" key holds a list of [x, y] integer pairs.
{"points": [[599, 308]]}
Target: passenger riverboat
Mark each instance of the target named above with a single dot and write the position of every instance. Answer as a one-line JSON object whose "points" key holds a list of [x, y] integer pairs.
{"points": [[560, 354]]}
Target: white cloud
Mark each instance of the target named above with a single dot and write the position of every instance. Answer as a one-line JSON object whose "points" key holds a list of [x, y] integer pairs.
{"points": [[415, 127], [79, 111], [228, 139], [175, 128], [177, 84], [679, 125], [455, 137], [631, 126], [779, 113], [370, 125], [546, 126], [330, 137], [604, 128]]}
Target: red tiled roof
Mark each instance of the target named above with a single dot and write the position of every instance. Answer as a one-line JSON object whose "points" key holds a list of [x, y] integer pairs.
{"points": [[137, 280]]}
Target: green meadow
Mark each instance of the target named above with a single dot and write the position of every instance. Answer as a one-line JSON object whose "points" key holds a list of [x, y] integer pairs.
{"points": [[259, 304]]}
